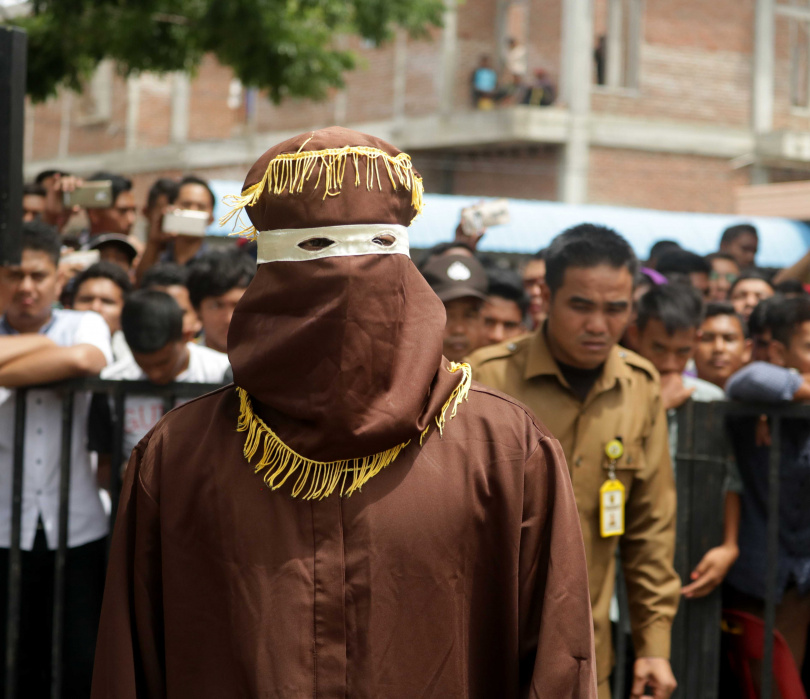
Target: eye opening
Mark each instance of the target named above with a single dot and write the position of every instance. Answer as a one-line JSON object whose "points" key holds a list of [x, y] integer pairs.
{"points": [[315, 244], [385, 240]]}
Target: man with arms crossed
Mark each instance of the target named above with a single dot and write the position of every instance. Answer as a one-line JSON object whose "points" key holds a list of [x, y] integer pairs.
{"points": [[604, 405]]}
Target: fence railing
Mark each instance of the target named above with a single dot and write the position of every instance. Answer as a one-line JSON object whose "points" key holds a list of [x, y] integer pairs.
{"points": [[67, 390], [701, 455]]}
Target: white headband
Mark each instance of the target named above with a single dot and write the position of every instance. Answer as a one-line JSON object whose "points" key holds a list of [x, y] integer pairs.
{"points": [[283, 245]]}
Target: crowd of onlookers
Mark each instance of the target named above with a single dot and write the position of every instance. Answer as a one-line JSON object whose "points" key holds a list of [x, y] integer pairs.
{"points": [[712, 326]]}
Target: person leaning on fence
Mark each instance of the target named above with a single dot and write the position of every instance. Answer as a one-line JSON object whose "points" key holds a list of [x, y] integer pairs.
{"points": [[103, 288], [355, 517], [665, 332], [39, 345], [152, 323], [604, 405], [785, 378]]}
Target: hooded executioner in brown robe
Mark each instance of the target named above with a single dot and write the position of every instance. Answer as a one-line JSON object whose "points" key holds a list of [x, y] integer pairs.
{"points": [[248, 562]]}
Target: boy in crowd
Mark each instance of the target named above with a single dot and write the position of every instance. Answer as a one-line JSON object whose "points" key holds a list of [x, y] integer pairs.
{"points": [[692, 267], [173, 280], [460, 282], [33, 202], [534, 276], [783, 379], [119, 217], [103, 288], [721, 347], [505, 309], [216, 282], [40, 345], [666, 333], [152, 323], [747, 291], [741, 241], [725, 271]]}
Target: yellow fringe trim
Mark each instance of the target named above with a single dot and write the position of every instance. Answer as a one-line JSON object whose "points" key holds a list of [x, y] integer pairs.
{"points": [[319, 479], [289, 172]]}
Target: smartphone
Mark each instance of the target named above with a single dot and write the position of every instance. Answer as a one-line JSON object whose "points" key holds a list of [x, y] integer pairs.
{"points": [[477, 218], [91, 195], [80, 258], [185, 222]]}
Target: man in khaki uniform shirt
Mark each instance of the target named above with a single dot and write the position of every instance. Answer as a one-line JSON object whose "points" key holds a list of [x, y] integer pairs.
{"points": [[588, 392]]}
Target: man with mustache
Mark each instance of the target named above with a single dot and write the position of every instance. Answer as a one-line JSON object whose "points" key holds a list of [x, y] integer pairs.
{"points": [[355, 517], [604, 405]]}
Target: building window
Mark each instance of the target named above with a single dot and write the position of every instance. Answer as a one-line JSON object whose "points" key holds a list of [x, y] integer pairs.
{"points": [[799, 37], [617, 48]]}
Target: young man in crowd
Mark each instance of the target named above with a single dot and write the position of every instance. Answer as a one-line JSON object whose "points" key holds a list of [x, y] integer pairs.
{"points": [[152, 324], [741, 241], [534, 276], [692, 267], [193, 194], [173, 280], [721, 348], [658, 250], [33, 202], [589, 392], [725, 271], [216, 281], [666, 333], [503, 313], [119, 217], [117, 249], [39, 345], [103, 288], [460, 282], [784, 378], [747, 291]]}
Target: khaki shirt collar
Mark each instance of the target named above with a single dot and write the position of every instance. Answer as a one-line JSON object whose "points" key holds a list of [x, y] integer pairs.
{"points": [[540, 362]]}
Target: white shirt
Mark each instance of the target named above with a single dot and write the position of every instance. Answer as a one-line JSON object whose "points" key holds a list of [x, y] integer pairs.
{"points": [[43, 443], [141, 413]]}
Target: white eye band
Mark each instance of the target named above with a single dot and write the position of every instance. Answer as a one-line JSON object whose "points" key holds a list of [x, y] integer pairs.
{"points": [[302, 244]]}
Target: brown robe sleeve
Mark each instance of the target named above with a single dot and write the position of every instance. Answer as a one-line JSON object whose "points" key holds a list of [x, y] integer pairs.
{"points": [[129, 661], [557, 656]]}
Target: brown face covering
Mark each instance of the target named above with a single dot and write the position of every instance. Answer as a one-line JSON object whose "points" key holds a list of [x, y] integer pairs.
{"points": [[341, 356]]}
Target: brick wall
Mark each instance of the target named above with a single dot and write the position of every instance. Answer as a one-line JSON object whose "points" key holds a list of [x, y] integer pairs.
{"points": [[663, 181]]}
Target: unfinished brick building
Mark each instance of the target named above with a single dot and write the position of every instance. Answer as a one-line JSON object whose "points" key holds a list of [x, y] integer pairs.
{"points": [[696, 98]]}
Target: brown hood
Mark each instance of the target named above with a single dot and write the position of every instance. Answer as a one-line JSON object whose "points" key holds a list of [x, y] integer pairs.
{"points": [[342, 356]]}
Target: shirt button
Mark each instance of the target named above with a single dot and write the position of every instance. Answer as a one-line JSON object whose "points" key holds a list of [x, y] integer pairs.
{"points": [[39, 401], [39, 461], [39, 492], [578, 461], [39, 430]]}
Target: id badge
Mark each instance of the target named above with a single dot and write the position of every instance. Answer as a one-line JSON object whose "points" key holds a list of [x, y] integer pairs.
{"points": [[611, 508], [611, 494]]}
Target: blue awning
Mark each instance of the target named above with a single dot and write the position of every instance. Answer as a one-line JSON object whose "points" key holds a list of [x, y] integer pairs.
{"points": [[534, 223]]}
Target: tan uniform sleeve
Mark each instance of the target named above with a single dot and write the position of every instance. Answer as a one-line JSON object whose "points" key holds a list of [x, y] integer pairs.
{"points": [[129, 661], [557, 656], [648, 545]]}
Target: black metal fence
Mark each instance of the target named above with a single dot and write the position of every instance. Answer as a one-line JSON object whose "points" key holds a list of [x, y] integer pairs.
{"points": [[702, 451], [117, 391]]}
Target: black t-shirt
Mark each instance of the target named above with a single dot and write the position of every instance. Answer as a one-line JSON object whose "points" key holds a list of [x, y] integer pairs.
{"points": [[580, 380]]}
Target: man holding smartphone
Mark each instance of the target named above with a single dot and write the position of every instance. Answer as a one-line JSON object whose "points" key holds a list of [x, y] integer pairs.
{"points": [[170, 242], [119, 215]]}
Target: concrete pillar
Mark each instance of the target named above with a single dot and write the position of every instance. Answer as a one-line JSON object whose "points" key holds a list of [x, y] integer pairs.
{"points": [[449, 58], [66, 102], [400, 84], [577, 62], [133, 112], [181, 88], [763, 67], [615, 26]]}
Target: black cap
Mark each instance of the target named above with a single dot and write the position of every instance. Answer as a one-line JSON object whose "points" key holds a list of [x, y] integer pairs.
{"points": [[120, 241], [456, 276]]}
